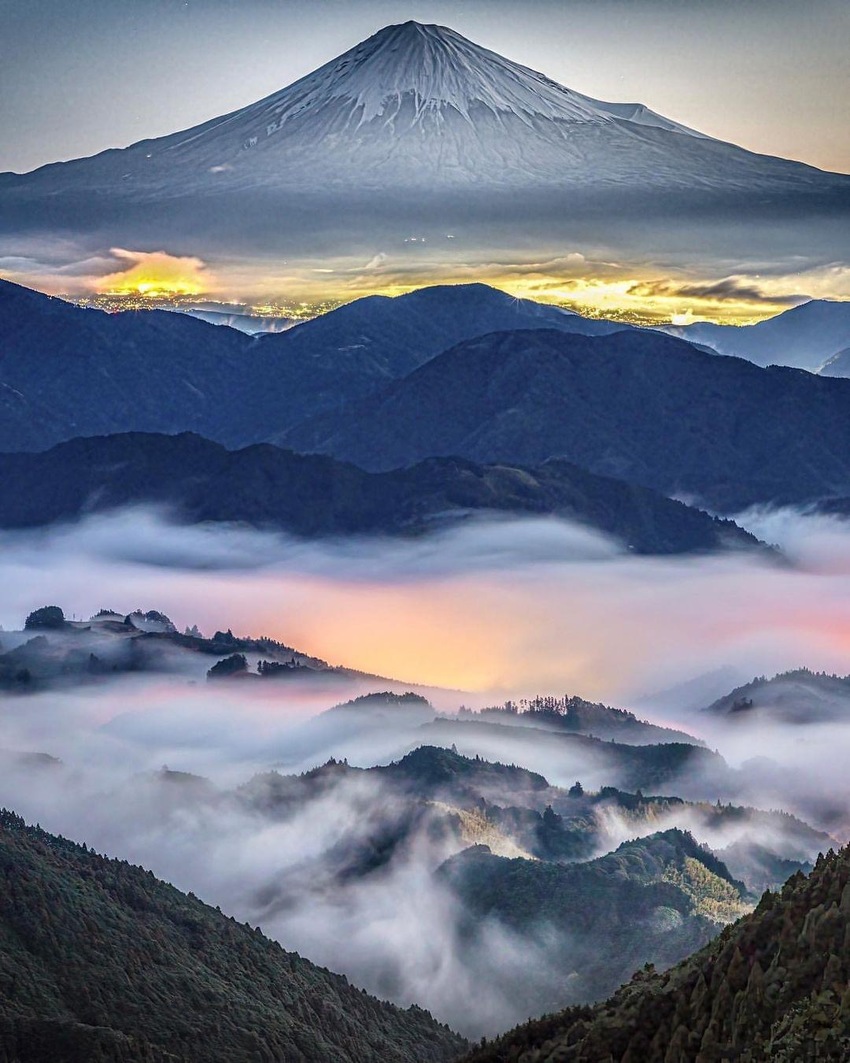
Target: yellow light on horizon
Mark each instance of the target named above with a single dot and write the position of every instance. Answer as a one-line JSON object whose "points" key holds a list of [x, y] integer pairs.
{"points": [[156, 288], [629, 293], [155, 275]]}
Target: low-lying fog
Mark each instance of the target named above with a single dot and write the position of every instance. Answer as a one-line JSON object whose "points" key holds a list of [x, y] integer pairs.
{"points": [[484, 611], [506, 607]]}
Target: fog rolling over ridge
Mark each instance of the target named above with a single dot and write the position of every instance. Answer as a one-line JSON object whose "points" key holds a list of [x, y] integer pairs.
{"points": [[517, 606]]}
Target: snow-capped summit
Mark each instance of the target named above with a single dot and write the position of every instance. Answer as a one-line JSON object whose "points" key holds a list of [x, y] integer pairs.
{"points": [[409, 74], [420, 106], [418, 137]]}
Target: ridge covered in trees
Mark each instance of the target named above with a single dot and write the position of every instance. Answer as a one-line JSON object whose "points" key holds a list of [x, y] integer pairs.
{"points": [[310, 495], [772, 987], [576, 714]]}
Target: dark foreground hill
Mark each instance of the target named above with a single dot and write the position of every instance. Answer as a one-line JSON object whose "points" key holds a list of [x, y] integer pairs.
{"points": [[773, 986], [99, 961], [314, 495], [640, 406]]}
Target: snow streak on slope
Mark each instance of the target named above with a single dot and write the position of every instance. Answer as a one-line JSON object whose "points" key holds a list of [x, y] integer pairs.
{"points": [[420, 149], [441, 71], [422, 107]]}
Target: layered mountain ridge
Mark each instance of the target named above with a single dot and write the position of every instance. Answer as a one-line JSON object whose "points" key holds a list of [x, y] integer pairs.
{"points": [[197, 481], [391, 382], [812, 336], [642, 406], [68, 371]]}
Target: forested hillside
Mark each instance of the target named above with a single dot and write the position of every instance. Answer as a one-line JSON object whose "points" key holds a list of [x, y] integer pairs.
{"points": [[102, 963]]}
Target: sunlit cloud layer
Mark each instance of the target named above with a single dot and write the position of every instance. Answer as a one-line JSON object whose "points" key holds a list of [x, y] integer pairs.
{"points": [[153, 274], [588, 284]]}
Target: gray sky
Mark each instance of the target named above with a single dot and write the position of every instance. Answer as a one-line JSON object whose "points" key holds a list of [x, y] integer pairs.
{"points": [[771, 75]]}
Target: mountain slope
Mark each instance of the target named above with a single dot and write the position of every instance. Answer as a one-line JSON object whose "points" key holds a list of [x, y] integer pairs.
{"points": [[798, 697], [771, 987], [575, 714], [373, 340], [641, 406], [313, 495], [838, 364], [425, 103], [669, 767], [99, 960], [806, 337], [66, 370]]}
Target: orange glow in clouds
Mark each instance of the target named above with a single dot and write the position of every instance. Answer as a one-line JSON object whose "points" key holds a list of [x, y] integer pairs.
{"points": [[504, 612]]}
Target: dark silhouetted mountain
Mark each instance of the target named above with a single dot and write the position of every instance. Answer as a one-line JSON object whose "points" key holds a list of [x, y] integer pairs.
{"points": [[351, 351], [799, 697], [806, 337], [771, 987], [640, 406], [67, 371], [101, 961], [314, 495], [70, 371]]}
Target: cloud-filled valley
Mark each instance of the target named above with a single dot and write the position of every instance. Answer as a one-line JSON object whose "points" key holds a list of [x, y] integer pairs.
{"points": [[512, 607], [488, 611]]}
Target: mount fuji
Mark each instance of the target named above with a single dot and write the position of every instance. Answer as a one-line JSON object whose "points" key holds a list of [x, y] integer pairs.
{"points": [[417, 134]]}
